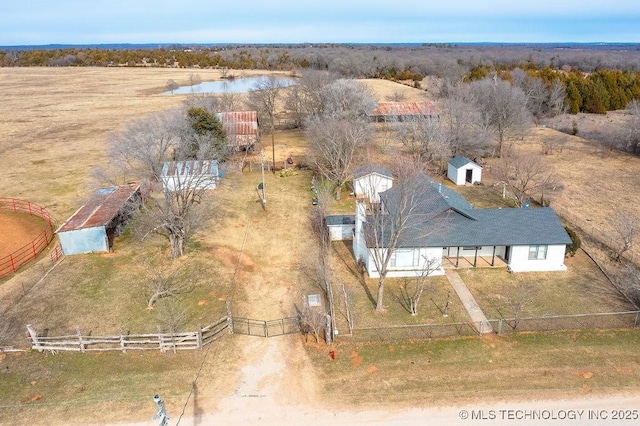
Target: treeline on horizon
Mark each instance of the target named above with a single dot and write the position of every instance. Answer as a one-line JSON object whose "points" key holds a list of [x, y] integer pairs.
{"points": [[596, 78]]}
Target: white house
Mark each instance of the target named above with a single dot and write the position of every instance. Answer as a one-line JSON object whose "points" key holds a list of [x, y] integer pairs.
{"points": [[445, 230], [93, 227], [461, 170], [369, 180], [193, 174]]}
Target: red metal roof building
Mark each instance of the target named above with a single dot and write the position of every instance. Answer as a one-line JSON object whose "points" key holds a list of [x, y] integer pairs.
{"points": [[94, 225], [241, 128], [389, 111]]}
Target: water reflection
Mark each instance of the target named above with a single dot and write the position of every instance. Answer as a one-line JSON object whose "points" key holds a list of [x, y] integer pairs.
{"points": [[237, 85]]}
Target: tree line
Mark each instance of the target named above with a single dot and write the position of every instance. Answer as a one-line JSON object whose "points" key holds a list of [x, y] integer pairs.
{"points": [[596, 79]]}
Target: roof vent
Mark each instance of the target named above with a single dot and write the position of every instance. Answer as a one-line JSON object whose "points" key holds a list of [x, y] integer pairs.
{"points": [[439, 188]]}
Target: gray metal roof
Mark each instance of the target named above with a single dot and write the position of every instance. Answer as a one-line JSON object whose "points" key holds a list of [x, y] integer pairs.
{"points": [[495, 227], [341, 219], [369, 168], [433, 198], [461, 161], [445, 219]]}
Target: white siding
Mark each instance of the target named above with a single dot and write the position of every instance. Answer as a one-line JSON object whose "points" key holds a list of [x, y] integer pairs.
{"points": [[458, 176], [404, 258], [371, 185], [341, 232], [174, 182], [519, 259], [84, 240]]}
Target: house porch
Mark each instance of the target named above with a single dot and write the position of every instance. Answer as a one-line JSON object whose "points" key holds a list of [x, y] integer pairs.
{"points": [[458, 257]]}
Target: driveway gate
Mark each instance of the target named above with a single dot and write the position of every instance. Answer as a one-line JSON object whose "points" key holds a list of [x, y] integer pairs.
{"points": [[262, 328]]}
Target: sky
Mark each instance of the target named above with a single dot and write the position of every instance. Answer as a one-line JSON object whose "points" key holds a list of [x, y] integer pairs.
{"points": [[37, 22]]}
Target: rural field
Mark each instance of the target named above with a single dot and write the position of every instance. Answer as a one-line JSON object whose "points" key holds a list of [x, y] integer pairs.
{"points": [[54, 131]]}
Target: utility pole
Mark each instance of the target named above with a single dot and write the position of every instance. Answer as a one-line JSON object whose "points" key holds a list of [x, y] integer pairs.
{"points": [[161, 414]]}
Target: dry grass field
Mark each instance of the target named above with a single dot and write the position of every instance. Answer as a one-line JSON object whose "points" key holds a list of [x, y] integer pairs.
{"points": [[54, 127]]}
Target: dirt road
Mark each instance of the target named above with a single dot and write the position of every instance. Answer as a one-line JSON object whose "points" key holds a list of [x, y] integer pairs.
{"points": [[278, 388]]}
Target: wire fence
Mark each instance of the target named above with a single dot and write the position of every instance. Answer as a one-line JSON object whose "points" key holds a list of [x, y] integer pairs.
{"points": [[595, 233], [594, 321], [10, 263]]}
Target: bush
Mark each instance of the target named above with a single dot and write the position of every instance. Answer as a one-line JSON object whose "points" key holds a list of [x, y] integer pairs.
{"points": [[575, 242]]}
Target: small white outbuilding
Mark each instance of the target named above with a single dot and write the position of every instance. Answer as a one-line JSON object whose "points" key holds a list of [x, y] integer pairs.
{"points": [[191, 175], [462, 170]]}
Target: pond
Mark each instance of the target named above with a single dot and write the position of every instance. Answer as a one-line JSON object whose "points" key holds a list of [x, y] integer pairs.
{"points": [[237, 85]]}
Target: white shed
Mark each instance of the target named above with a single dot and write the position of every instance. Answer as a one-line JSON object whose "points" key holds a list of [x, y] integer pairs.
{"points": [[369, 180], [462, 170], [194, 174], [341, 227], [93, 227]]}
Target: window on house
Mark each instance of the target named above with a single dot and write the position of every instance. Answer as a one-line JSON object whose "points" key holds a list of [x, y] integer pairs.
{"points": [[405, 257], [538, 252]]}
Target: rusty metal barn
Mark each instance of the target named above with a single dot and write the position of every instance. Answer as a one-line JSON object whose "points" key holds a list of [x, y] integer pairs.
{"points": [[241, 127], [93, 227], [402, 111]]}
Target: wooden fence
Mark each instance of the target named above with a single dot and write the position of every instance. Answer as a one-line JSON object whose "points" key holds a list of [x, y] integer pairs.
{"points": [[10, 263], [164, 342]]}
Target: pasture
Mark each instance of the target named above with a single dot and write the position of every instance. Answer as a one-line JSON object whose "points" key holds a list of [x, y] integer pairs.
{"points": [[55, 132]]}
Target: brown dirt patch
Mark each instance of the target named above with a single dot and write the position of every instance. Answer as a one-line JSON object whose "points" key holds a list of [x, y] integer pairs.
{"points": [[356, 359], [232, 259], [18, 230]]}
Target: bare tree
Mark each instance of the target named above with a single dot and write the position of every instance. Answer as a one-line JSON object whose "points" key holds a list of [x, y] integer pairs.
{"points": [[396, 96], [171, 85], [504, 107], [349, 316], [314, 320], [334, 145], [413, 288], [527, 176], [625, 227], [347, 99], [424, 138], [308, 96], [263, 97], [167, 283], [142, 150], [407, 213], [466, 130], [518, 299], [631, 128]]}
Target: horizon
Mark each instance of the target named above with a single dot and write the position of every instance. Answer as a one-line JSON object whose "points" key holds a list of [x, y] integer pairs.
{"points": [[162, 45], [70, 22]]}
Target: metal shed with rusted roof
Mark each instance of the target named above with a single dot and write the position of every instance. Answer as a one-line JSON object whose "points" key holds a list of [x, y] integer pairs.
{"points": [[403, 111], [93, 227], [241, 128]]}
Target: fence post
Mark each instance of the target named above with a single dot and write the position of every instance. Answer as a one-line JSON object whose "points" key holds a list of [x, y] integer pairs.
{"points": [[229, 317], [82, 347], [199, 337], [122, 342], [500, 326], [480, 327], [635, 321], [31, 334]]}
